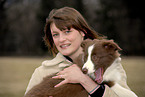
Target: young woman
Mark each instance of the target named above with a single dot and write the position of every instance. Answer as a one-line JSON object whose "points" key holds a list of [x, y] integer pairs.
{"points": [[65, 29]]}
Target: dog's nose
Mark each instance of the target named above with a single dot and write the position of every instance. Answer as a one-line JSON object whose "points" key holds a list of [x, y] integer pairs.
{"points": [[85, 70]]}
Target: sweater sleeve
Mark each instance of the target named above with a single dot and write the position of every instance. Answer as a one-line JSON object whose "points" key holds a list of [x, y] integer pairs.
{"points": [[35, 79], [103, 91], [99, 92]]}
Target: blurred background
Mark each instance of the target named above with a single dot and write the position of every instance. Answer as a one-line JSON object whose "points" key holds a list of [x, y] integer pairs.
{"points": [[22, 23], [22, 48]]}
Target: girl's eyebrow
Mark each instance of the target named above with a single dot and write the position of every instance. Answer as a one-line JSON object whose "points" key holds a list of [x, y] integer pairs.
{"points": [[62, 30], [66, 29], [54, 32]]}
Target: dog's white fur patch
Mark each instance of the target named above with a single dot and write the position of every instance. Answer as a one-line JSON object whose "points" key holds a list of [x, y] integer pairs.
{"points": [[89, 64]]}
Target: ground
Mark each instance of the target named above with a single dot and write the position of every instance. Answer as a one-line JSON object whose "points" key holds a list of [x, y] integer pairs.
{"points": [[15, 73]]}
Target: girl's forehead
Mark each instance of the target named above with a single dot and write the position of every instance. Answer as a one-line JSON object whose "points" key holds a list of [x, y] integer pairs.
{"points": [[53, 26]]}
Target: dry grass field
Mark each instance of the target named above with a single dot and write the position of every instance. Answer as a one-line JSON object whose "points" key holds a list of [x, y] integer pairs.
{"points": [[15, 73]]}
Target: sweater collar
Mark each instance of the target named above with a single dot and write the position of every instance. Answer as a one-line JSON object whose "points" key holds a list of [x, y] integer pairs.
{"points": [[60, 60]]}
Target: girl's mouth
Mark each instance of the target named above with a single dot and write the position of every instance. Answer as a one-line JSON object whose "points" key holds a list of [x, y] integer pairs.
{"points": [[65, 46]]}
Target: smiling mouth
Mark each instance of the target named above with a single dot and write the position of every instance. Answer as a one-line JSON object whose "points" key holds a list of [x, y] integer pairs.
{"points": [[65, 46]]}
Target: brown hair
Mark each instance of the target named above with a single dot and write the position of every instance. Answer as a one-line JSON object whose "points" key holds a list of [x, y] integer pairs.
{"points": [[66, 18]]}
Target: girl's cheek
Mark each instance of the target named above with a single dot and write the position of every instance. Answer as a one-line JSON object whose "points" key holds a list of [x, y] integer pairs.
{"points": [[55, 41]]}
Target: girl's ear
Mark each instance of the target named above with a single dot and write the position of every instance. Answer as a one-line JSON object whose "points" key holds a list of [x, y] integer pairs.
{"points": [[82, 33]]}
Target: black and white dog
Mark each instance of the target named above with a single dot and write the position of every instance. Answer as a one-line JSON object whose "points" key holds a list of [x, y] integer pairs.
{"points": [[99, 62]]}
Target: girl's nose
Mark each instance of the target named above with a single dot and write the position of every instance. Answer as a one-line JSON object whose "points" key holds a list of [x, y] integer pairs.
{"points": [[62, 38]]}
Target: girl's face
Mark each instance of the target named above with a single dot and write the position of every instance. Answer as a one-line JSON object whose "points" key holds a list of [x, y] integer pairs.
{"points": [[67, 41]]}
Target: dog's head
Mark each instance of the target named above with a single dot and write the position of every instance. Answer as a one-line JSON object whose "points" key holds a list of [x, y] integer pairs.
{"points": [[98, 56]]}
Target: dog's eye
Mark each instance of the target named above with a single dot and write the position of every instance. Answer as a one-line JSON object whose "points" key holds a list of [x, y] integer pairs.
{"points": [[94, 57]]}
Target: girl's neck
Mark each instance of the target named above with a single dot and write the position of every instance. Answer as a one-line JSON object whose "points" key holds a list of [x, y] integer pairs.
{"points": [[75, 56]]}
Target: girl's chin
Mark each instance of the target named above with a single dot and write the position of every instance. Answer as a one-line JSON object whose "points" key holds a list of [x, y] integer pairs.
{"points": [[65, 54]]}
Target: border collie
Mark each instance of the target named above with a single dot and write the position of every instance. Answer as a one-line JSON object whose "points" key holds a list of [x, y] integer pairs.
{"points": [[98, 62]]}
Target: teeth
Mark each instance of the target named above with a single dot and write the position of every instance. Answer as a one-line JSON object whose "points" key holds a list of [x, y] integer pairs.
{"points": [[65, 45]]}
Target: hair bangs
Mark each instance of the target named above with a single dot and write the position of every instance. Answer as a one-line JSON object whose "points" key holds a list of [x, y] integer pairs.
{"points": [[63, 24]]}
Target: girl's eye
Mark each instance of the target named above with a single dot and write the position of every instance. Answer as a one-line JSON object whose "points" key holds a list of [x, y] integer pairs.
{"points": [[54, 35], [68, 31]]}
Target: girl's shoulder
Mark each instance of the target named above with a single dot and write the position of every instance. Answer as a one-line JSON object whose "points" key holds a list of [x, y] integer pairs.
{"points": [[55, 61]]}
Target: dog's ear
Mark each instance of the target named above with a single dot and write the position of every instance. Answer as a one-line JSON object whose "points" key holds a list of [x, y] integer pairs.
{"points": [[111, 45], [86, 42]]}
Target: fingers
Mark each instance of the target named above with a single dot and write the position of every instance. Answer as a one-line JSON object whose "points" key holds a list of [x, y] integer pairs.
{"points": [[61, 83], [61, 73], [59, 76], [64, 72], [69, 75]]}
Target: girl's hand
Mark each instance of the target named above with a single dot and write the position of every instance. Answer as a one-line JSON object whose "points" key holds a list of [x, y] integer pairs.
{"points": [[72, 74]]}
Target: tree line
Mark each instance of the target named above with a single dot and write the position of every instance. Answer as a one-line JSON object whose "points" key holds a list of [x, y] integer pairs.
{"points": [[22, 23]]}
